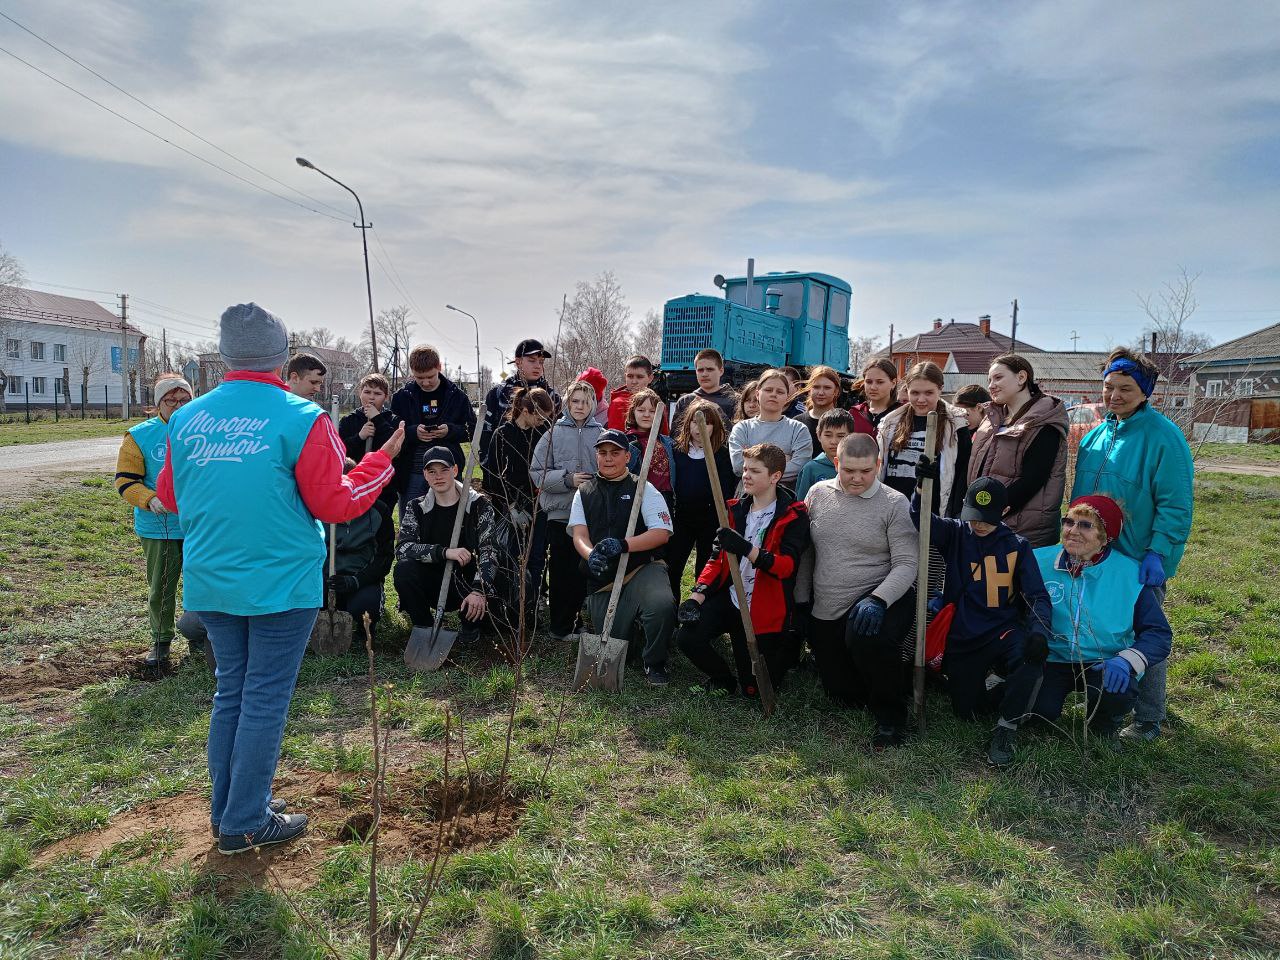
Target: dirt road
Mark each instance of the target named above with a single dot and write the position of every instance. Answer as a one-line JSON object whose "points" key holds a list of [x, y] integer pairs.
{"points": [[1249, 469], [34, 464]]}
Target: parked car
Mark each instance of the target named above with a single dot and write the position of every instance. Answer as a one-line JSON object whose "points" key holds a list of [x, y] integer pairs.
{"points": [[1083, 417]]}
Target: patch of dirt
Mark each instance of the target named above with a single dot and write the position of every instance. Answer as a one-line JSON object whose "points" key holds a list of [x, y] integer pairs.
{"points": [[34, 682], [337, 805], [1246, 467]]}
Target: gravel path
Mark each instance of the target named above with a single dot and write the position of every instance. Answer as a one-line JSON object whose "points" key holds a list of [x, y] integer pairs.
{"points": [[36, 464]]}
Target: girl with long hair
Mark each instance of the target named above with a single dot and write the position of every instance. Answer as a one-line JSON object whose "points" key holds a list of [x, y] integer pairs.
{"points": [[879, 384], [771, 425], [695, 511], [902, 435]]}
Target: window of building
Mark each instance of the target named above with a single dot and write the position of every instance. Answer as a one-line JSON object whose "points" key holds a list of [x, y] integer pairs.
{"points": [[39, 385], [13, 349], [1179, 401], [1213, 388], [1244, 387], [15, 384], [60, 352], [59, 387], [37, 350]]}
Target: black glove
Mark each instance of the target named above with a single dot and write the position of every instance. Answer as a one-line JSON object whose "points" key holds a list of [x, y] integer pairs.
{"points": [[1036, 650], [867, 616], [732, 541], [343, 583], [611, 547], [926, 469], [598, 563], [690, 611]]}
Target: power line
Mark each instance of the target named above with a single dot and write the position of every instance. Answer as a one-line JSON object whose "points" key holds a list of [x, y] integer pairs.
{"points": [[164, 116], [162, 139], [403, 290]]}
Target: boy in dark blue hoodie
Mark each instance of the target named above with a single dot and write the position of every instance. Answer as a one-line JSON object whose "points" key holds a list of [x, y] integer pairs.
{"points": [[1002, 609]]}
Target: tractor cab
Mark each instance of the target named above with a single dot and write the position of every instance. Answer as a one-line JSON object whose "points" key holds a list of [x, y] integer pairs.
{"points": [[817, 304]]}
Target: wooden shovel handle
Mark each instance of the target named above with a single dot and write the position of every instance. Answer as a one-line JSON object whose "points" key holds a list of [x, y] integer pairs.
{"points": [[768, 699], [464, 500]]}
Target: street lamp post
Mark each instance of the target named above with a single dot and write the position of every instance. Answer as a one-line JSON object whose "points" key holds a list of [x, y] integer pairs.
{"points": [[476, 324], [364, 240]]}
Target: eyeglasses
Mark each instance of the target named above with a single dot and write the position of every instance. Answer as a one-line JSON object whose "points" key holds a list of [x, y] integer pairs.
{"points": [[1084, 525]]}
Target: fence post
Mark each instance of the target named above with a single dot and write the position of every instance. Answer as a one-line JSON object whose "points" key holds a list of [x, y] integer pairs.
{"points": [[26, 389], [83, 403], [106, 409], [55, 401]]}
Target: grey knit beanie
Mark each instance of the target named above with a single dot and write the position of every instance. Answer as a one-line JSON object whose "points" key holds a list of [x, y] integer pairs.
{"points": [[253, 339]]}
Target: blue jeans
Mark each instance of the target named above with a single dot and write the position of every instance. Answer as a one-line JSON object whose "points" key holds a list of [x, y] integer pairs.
{"points": [[258, 661], [1151, 707]]}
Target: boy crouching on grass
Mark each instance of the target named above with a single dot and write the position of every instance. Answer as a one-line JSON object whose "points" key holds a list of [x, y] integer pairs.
{"points": [[768, 532], [1002, 611]]}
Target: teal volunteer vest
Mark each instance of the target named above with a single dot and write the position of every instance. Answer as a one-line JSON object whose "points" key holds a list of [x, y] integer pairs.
{"points": [[1092, 613], [151, 436], [252, 547]]}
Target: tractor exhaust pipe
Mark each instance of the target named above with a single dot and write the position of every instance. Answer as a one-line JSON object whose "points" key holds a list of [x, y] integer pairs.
{"points": [[751, 277]]}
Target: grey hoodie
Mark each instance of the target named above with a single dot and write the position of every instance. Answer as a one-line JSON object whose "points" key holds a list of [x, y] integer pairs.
{"points": [[567, 448]]}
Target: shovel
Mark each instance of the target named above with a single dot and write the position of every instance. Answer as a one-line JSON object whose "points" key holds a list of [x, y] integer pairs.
{"points": [[922, 574], [602, 658], [429, 647], [764, 683], [331, 635]]}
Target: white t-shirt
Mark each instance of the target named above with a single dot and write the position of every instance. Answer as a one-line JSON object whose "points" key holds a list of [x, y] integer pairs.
{"points": [[757, 523], [653, 508]]}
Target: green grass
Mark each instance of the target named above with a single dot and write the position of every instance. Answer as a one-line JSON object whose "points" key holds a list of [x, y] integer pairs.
{"points": [[1268, 453], [17, 432], [673, 824]]}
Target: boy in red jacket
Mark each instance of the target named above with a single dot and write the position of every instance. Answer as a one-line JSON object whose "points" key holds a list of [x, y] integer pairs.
{"points": [[636, 376], [767, 534]]}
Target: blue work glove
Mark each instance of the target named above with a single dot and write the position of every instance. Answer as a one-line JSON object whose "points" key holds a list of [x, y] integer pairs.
{"points": [[611, 547], [935, 604], [1116, 674], [732, 541], [597, 563], [1151, 573], [867, 616]]}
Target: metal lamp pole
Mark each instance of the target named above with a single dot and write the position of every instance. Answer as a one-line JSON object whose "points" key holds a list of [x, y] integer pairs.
{"points": [[476, 323], [364, 240]]}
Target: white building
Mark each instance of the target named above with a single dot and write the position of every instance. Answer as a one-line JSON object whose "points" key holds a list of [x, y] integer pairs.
{"points": [[48, 337]]}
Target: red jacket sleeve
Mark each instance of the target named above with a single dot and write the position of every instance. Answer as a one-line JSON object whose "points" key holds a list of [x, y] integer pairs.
{"points": [[164, 482], [330, 496]]}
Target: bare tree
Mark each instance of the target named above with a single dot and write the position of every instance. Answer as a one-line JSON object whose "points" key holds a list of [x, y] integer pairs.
{"points": [[597, 329], [86, 355], [394, 329], [860, 351], [648, 338], [315, 337], [1168, 314], [12, 277]]}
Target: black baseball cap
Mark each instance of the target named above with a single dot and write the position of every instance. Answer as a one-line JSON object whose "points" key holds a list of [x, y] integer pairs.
{"points": [[531, 348], [985, 500], [438, 454], [616, 437]]}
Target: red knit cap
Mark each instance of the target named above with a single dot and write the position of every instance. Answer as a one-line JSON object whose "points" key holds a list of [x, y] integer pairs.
{"points": [[1108, 512], [597, 379]]}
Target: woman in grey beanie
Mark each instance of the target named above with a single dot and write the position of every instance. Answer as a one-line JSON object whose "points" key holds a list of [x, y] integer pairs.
{"points": [[252, 470]]}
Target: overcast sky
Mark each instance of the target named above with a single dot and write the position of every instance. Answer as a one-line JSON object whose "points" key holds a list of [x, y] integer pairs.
{"points": [[944, 158]]}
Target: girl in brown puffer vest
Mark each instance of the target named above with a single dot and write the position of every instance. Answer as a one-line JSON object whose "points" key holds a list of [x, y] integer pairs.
{"points": [[1022, 442]]}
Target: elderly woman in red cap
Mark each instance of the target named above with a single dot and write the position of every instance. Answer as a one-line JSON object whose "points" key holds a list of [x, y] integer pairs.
{"points": [[1108, 627]]}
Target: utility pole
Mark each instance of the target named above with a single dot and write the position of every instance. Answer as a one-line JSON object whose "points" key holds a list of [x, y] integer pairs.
{"points": [[1013, 337], [124, 359], [1074, 337], [164, 349], [395, 358]]}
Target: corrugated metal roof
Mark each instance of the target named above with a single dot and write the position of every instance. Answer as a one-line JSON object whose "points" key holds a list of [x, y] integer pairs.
{"points": [[1069, 365], [40, 307], [1259, 345]]}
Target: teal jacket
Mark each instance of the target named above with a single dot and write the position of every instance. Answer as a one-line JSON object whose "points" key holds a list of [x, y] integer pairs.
{"points": [[819, 468], [1144, 464]]}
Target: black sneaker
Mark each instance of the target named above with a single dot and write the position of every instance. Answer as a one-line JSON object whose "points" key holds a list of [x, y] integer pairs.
{"points": [[1141, 731], [657, 676], [281, 828], [1001, 748], [886, 737], [159, 655], [275, 806]]}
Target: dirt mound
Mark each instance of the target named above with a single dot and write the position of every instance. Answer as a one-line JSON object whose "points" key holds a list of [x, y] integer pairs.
{"points": [[34, 681], [338, 807]]}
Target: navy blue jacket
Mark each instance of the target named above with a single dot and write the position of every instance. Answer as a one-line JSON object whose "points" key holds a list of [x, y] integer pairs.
{"points": [[454, 411], [994, 581]]}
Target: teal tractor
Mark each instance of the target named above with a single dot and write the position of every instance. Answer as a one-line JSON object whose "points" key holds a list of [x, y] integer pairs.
{"points": [[773, 320]]}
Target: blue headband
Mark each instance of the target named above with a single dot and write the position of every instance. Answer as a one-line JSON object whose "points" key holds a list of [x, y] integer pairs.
{"points": [[1147, 384]]}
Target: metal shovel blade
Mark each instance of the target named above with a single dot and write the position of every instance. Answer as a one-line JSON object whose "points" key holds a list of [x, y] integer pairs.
{"points": [[602, 661], [331, 636], [428, 648]]}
